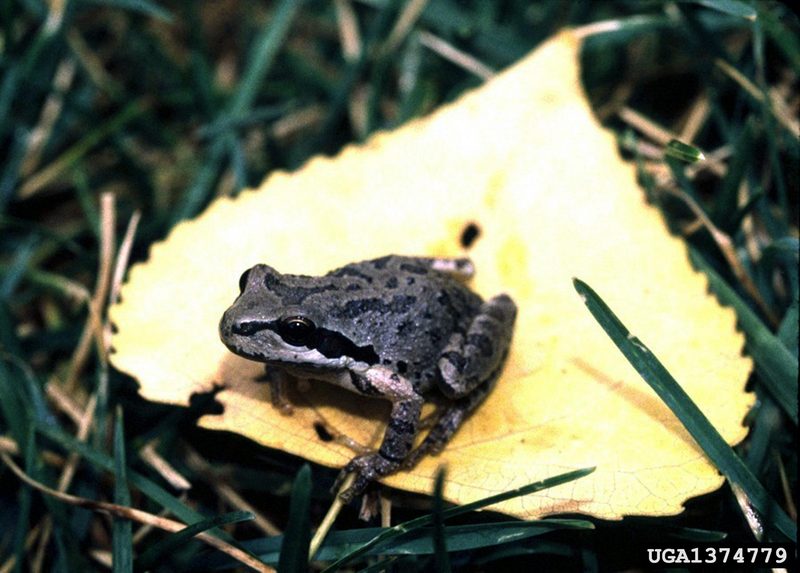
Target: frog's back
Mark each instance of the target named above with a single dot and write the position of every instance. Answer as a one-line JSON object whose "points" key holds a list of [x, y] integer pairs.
{"points": [[406, 310]]}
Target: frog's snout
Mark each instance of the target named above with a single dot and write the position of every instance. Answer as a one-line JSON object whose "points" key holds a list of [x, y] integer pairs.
{"points": [[235, 325], [225, 329]]}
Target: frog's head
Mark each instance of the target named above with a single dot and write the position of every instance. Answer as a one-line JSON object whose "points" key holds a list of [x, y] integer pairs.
{"points": [[262, 323], [278, 318]]}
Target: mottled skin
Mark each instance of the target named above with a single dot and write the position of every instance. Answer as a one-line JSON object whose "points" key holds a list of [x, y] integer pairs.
{"points": [[405, 329]]}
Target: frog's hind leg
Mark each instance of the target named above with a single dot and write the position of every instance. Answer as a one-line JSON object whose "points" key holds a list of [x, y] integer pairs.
{"points": [[470, 365], [449, 419], [471, 359]]}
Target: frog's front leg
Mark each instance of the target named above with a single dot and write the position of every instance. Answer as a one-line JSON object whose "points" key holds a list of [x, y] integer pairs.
{"points": [[278, 381], [398, 437]]}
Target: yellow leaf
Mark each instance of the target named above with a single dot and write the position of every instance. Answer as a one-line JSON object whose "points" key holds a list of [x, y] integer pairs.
{"points": [[524, 159]]}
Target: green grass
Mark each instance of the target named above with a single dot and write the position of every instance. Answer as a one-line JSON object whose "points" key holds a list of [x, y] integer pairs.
{"points": [[168, 105]]}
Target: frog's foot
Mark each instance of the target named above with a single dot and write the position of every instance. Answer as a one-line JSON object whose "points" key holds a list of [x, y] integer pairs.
{"points": [[368, 469]]}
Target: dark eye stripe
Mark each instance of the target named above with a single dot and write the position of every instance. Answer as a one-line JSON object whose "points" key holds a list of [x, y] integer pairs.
{"points": [[333, 345], [328, 343]]}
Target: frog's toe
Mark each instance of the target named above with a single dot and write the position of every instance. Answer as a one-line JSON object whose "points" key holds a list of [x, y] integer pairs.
{"points": [[358, 487], [284, 409]]}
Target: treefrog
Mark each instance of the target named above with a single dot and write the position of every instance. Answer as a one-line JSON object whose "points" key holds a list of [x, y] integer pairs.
{"points": [[405, 329]]}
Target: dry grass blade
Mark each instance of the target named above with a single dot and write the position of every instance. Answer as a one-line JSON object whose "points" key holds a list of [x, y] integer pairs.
{"points": [[104, 558], [330, 517], [788, 494], [136, 515], [152, 458], [386, 509], [8, 445], [296, 122], [91, 63], [63, 401], [715, 160], [663, 136], [646, 126], [349, 36], [55, 16], [408, 17], [754, 521], [30, 539], [198, 464], [233, 498], [142, 532], [48, 117], [67, 474], [778, 108], [728, 248], [453, 54], [94, 328], [607, 26], [696, 118], [123, 256], [83, 432], [57, 168]]}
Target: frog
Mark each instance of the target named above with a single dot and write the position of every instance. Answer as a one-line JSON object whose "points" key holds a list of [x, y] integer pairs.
{"points": [[400, 328]]}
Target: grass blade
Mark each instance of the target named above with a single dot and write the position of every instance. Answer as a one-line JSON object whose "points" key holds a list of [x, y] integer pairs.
{"points": [[25, 499], [773, 361], [296, 539], [146, 7], [724, 210], [778, 29], [9, 175], [695, 422], [441, 559], [262, 56], [683, 151], [413, 524], [80, 149], [419, 541], [788, 331], [260, 60], [140, 482], [732, 7], [157, 553], [11, 405], [122, 531]]}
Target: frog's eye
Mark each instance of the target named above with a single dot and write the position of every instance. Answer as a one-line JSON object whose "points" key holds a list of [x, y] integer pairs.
{"points": [[297, 330], [243, 280]]}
